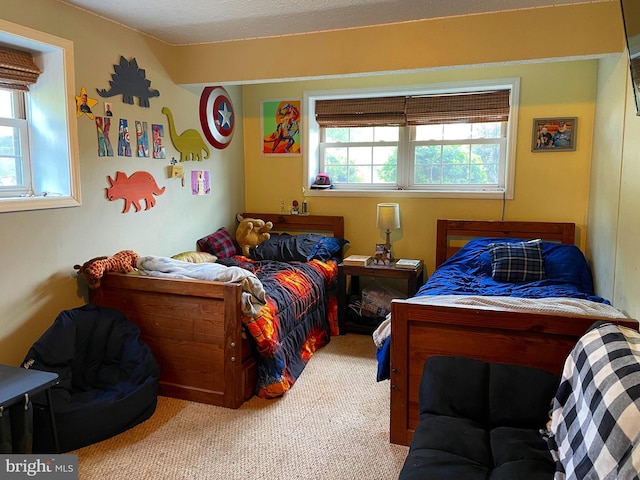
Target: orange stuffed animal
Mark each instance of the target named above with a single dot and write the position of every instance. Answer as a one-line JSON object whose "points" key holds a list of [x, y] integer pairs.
{"points": [[93, 270]]}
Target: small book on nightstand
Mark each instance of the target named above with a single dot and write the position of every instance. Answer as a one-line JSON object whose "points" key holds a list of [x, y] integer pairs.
{"points": [[357, 260], [407, 263]]}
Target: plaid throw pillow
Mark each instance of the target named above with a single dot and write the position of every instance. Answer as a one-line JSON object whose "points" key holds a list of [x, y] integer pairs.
{"points": [[220, 243], [517, 261]]}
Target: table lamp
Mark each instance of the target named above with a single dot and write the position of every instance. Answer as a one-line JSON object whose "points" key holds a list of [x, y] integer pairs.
{"points": [[388, 218]]}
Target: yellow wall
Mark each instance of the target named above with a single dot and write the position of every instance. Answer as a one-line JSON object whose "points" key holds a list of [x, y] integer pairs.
{"points": [[515, 36], [548, 185]]}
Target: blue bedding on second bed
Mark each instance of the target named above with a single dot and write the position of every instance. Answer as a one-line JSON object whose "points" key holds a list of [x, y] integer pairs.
{"points": [[468, 272]]}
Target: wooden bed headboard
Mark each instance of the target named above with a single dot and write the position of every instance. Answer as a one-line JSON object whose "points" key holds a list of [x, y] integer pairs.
{"points": [[326, 224], [447, 230], [329, 225]]}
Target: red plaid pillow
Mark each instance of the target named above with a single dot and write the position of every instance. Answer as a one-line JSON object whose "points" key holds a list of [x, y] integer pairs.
{"points": [[220, 243]]}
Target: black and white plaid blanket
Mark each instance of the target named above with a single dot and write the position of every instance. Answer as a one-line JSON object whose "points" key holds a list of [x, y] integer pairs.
{"points": [[595, 423]]}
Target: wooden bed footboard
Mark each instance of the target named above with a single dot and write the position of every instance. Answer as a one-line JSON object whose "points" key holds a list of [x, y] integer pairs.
{"points": [[194, 329], [505, 336]]}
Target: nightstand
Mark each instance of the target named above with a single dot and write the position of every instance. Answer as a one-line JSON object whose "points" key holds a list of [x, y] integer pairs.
{"points": [[413, 277]]}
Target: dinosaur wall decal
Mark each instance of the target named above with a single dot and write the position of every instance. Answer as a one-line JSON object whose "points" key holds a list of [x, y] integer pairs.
{"points": [[189, 143], [139, 186], [129, 81]]}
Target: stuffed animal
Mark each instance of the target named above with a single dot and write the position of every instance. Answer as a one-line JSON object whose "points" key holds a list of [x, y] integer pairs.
{"points": [[124, 262], [251, 232]]}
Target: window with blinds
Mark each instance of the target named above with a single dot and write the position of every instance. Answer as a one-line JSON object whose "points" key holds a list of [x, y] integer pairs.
{"points": [[15, 165], [17, 72], [39, 164], [435, 141]]}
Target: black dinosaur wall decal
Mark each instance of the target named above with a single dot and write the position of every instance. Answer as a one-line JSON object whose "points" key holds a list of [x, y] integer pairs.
{"points": [[130, 81]]}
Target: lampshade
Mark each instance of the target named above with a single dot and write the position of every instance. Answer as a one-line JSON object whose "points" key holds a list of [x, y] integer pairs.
{"points": [[388, 216]]}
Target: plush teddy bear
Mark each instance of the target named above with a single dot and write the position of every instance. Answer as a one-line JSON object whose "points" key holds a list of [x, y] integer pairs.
{"points": [[251, 232], [124, 262]]}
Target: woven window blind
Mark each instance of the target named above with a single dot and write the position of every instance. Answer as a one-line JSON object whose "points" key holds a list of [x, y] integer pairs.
{"points": [[361, 112], [17, 70], [473, 107]]}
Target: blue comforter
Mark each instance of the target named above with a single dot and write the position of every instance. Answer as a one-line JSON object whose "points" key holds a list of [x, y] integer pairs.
{"points": [[468, 272]]}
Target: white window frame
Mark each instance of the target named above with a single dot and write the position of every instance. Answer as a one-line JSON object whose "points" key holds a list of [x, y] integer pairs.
{"points": [[312, 137], [51, 122], [19, 122]]}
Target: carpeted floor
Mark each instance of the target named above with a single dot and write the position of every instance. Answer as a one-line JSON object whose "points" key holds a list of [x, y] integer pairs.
{"points": [[333, 424]]}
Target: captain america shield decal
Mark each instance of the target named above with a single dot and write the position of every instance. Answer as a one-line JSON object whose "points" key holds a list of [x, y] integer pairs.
{"points": [[216, 116]]}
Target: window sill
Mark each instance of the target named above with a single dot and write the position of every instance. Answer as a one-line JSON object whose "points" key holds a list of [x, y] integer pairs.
{"points": [[334, 192], [36, 203]]}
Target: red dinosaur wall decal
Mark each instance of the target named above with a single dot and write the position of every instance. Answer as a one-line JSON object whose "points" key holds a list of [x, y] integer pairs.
{"points": [[139, 186]]}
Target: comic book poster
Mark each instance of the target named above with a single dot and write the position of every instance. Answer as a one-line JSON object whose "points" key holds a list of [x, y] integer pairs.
{"points": [[280, 127]]}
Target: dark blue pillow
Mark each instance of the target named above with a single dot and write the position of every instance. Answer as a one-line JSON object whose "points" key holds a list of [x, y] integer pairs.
{"points": [[567, 264], [327, 248], [283, 247], [297, 248]]}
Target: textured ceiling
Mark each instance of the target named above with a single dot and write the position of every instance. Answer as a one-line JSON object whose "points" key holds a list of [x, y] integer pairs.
{"points": [[203, 21]]}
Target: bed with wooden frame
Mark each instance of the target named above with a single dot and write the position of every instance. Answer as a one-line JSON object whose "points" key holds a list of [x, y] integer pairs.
{"points": [[506, 336], [195, 328]]}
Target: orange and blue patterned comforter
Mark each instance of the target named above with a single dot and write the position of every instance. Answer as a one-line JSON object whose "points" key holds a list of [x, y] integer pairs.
{"points": [[299, 317]]}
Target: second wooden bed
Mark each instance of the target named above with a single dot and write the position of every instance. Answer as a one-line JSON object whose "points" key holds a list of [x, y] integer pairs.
{"points": [[195, 328], [504, 336]]}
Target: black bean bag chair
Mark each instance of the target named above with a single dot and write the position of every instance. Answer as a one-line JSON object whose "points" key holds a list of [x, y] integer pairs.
{"points": [[108, 378]]}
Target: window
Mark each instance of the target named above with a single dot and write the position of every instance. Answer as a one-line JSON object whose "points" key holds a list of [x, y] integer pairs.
{"points": [[453, 140], [39, 165], [15, 177]]}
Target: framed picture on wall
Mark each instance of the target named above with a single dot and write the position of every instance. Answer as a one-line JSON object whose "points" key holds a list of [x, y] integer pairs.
{"points": [[280, 127], [554, 134]]}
